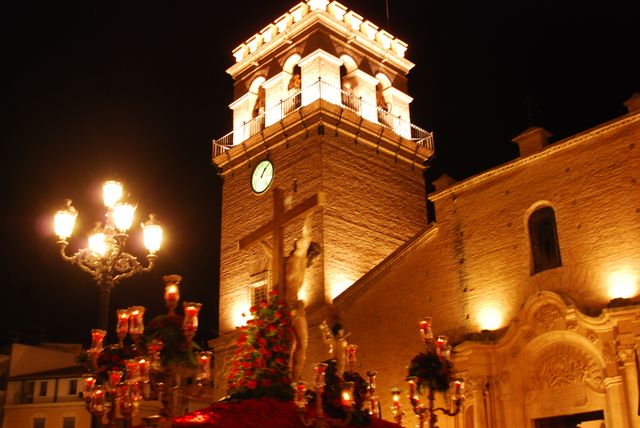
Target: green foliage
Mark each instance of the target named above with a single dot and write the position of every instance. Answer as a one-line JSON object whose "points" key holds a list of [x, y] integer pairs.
{"points": [[332, 395], [176, 350], [433, 371]]}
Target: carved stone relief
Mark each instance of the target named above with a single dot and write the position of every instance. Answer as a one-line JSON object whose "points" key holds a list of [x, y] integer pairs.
{"points": [[547, 317], [563, 365], [593, 338], [625, 354]]}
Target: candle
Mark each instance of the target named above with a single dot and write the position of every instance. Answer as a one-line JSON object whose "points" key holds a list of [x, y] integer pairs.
{"points": [[300, 399], [371, 374], [97, 402], [458, 388], [441, 344], [123, 322], [143, 369], [136, 314], [171, 290], [319, 369], [347, 394], [155, 346], [154, 352], [136, 394], [425, 329], [351, 353], [395, 395], [122, 390], [133, 368], [205, 365], [89, 381], [412, 385], [395, 405], [114, 378], [97, 336], [191, 311]]}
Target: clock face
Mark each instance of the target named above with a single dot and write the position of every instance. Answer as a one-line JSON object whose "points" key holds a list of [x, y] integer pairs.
{"points": [[262, 176]]}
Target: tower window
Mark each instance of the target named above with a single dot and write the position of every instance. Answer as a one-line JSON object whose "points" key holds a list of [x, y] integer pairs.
{"points": [[545, 251], [258, 293]]}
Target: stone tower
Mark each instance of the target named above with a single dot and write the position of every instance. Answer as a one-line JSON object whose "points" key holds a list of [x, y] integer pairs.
{"points": [[320, 105]]}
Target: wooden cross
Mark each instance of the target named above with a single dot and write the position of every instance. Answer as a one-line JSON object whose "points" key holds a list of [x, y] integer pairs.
{"points": [[275, 227]]}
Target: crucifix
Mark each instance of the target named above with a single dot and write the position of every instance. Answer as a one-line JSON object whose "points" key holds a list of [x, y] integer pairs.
{"points": [[281, 217]]}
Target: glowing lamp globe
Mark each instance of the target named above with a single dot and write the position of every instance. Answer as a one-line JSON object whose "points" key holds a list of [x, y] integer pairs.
{"points": [[123, 216], [98, 243], [152, 235], [490, 318], [111, 193], [622, 285], [64, 221]]}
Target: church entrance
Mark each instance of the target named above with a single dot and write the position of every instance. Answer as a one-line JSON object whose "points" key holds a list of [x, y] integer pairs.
{"points": [[581, 420], [554, 368]]}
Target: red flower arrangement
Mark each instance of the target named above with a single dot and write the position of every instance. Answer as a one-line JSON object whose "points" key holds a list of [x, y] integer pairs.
{"points": [[260, 366], [265, 412]]}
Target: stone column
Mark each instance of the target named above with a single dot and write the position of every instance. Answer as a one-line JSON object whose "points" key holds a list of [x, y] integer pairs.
{"points": [[320, 74], [616, 403], [477, 384], [626, 357], [275, 93]]}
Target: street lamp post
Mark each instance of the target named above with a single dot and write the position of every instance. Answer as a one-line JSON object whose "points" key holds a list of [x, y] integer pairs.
{"points": [[104, 258]]}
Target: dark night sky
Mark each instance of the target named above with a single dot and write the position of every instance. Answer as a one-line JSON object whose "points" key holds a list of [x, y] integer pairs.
{"points": [[136, 90]]}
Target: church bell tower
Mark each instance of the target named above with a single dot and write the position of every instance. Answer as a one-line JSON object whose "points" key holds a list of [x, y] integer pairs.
{"points": [[320, 111]]}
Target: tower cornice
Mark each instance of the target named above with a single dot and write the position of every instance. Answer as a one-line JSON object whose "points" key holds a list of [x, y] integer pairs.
{"points": [[362, 35]]}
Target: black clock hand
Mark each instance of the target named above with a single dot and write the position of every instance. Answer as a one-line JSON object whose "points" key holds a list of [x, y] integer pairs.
{"points": [[263, 171]]}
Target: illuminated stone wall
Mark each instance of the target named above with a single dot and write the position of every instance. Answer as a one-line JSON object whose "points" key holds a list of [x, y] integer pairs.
{"points": [[372, 206], [477, 255]]}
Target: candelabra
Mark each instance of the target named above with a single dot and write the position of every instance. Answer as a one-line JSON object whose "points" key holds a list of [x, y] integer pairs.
{"points": [[373, 402], [431, 372], [321, 420], [150, 367], [396, 409], [105, 258]]}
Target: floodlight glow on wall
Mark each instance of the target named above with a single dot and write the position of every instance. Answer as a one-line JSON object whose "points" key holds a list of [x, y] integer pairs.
{"points": [[490, 318], [622, 285]]}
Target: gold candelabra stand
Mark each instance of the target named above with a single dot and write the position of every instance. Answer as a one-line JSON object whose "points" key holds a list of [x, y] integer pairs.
{"points": [[431, 371], [105, 258], [320, 420], [123, 375], [351, 401]]}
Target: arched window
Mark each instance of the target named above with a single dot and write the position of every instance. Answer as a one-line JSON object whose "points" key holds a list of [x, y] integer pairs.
{"points": [[545, 252]]}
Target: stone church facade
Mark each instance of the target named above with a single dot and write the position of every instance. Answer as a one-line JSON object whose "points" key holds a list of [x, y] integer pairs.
{"points": [[529, 268], [564, 343]]}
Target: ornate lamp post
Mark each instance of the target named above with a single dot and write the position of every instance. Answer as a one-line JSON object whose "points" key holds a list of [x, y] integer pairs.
{"points": [[104, 258]]}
